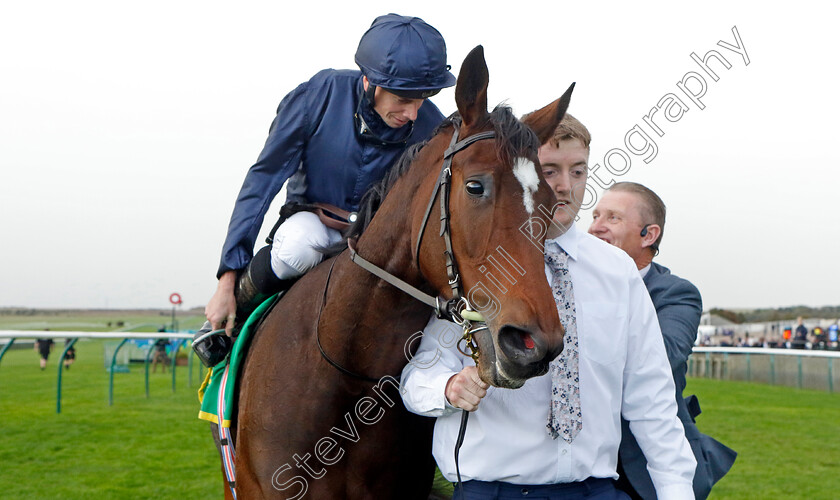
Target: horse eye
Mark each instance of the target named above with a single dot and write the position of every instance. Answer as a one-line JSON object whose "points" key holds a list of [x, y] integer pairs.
{"points": [[475, 188]]}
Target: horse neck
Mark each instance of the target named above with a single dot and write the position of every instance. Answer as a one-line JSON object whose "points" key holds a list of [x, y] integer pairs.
{"points": [[366, 321]]}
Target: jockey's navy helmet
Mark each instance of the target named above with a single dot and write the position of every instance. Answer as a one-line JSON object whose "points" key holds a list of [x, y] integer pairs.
{"points": [[405, 56]]}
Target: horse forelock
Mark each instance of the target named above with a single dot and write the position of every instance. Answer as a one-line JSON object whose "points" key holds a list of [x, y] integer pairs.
{"points": [[517, 145], [514, 139]]}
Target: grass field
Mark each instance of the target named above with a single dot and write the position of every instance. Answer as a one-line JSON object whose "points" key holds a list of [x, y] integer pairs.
{"points": [[137, 448], [788, 440]]}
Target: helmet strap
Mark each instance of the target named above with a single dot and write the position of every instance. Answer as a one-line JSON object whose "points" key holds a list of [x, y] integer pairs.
{"points": [[363, 130], [370, 93]]}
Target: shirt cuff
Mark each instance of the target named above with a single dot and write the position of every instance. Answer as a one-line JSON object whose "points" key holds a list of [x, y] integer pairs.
{"points": [[425, 394], [448, 408], [675, 492]]}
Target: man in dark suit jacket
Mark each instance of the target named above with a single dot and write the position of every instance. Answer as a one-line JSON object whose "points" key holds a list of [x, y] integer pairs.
{"points": [[632, 217]]}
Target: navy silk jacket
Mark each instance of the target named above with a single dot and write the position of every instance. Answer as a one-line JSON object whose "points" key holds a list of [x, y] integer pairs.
{"points": [[313, 141]]}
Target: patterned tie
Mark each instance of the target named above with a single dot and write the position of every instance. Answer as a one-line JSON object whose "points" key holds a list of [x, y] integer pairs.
{"points": [[564, 417]]}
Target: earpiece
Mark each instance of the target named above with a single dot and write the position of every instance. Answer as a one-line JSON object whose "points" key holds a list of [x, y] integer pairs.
{"points": [[644, 231]]}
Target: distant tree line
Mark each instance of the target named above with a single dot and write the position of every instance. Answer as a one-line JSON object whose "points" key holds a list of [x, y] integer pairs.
{"points": [[15, 311], [777, 314]]}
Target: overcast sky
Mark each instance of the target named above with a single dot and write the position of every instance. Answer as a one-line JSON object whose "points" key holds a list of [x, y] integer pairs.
{"points": [[126, 129]]}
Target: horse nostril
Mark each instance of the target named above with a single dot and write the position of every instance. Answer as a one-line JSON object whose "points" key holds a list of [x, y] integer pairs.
{"points": [[527, 340], [519, 344]]}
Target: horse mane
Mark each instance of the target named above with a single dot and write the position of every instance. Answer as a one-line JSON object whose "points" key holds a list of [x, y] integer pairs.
{"points": [[513, 138]]}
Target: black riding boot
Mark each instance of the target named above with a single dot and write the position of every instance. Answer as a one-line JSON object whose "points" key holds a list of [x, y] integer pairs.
{"points": [[255, 284]]}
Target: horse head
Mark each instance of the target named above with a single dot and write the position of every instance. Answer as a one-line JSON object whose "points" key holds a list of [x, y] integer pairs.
{"points": [[499, 210]]}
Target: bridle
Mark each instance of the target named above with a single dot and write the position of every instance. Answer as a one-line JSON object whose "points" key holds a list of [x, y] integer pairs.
{"points": [[457, 309]]}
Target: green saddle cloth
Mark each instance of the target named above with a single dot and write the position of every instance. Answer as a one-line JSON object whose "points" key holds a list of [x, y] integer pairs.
{"points": [[209, 392]]}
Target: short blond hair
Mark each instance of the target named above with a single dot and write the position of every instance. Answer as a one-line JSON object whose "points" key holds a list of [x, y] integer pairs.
{"points": [[570, 128]]}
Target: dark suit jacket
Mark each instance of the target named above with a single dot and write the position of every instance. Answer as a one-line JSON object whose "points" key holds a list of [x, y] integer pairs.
{"points": [[678, 307]]}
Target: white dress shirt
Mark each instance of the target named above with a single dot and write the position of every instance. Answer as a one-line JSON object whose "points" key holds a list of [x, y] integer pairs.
{"points": [[624, 371]]}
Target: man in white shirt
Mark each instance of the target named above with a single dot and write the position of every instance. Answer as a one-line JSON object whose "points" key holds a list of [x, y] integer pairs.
{"points": [[512, 446], [632, 217]]}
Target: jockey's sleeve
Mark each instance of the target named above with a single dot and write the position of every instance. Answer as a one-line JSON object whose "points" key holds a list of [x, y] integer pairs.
{"points": [[279, 159]]}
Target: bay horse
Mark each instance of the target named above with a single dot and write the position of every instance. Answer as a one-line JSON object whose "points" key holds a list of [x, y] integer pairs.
{"points": [[319, 410]]}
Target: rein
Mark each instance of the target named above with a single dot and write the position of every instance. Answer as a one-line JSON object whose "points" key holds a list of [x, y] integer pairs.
{"points": [[318, 336], [457, 309]]}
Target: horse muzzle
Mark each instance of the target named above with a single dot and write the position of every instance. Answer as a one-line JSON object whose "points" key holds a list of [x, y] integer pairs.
{"points": [[514, 354]]}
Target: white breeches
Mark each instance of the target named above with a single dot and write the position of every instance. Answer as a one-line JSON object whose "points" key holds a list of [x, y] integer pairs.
{"points": [[294, 250]]}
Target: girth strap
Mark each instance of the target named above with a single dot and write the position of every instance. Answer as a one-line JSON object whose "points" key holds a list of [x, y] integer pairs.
{"points": [[225, 438]]}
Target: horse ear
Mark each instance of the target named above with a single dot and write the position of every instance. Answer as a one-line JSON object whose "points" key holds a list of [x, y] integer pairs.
{"points": [[471, 90], [544, 121]]}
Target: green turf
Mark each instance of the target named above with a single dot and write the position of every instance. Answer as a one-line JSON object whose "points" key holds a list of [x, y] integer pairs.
{"points": [[788, 440], [137, 448]]}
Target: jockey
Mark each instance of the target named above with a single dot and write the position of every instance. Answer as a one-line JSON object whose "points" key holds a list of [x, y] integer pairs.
{"points": [[333, 137]]}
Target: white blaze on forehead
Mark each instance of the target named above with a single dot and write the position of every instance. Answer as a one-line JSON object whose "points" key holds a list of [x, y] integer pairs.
{"points": [[526, 173]]}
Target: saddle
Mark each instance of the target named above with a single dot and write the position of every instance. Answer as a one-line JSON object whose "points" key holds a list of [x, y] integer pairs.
{"points": [[220, 383], [329, 215]]}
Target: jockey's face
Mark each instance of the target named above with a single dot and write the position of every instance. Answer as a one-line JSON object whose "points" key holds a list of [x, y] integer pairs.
{"points": [[394, 110], [565, 168]]}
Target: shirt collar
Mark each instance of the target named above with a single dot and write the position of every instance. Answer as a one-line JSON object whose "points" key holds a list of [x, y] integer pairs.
{"points": [[643, 271], [569, 241]]}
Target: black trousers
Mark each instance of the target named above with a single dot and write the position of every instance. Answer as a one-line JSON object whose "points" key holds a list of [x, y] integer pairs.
{"points": [[590, 489]]}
